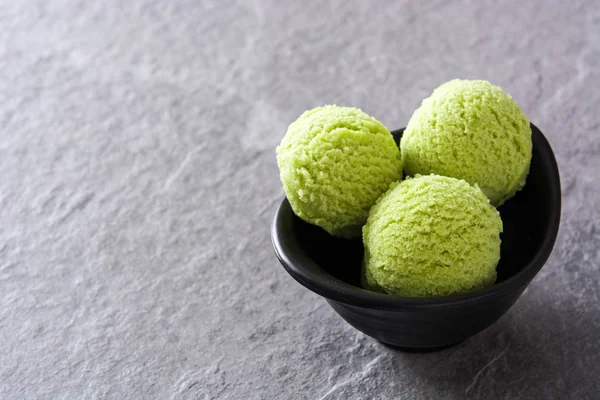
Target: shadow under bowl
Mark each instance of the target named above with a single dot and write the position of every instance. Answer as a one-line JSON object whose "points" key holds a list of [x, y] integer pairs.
{"points": [[331, 267]]}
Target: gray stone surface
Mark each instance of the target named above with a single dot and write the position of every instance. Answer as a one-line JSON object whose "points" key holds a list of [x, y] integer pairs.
{"points": [[138, 182]]}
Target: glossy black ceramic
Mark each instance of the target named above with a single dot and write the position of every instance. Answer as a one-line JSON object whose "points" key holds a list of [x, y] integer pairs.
{"points": [[331, 266]]}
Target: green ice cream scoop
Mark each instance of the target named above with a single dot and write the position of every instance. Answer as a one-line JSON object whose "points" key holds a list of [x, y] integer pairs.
{"points": [[431, 236], [334, 163], [470, 130]]}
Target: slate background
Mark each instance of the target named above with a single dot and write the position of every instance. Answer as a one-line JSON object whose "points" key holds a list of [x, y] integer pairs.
{"points": [[138, 182]]}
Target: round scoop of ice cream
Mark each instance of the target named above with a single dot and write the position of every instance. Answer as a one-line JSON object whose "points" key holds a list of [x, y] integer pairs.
{"points": [[431, 236], [334, 163], [470, 130]]}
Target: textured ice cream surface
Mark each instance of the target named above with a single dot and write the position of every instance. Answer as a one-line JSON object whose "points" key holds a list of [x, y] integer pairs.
{"points": [[470, 130], [431, 236], [334, 163]]}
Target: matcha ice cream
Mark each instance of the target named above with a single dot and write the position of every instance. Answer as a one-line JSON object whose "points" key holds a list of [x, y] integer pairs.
{"points": [[431, 236], [334, 163], [470, 130]]}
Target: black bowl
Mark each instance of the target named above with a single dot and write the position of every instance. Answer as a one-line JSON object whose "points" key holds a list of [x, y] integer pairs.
{"points": [[331, 266]]}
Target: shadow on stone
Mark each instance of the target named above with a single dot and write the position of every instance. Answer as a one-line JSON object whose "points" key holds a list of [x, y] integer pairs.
{"points": [[524, 355]]}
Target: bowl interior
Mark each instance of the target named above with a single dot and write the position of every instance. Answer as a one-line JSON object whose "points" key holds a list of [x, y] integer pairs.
{"points": [[529, 219]]}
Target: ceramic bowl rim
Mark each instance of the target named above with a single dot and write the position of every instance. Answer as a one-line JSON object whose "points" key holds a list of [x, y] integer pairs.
{"points": [[300, 266]]}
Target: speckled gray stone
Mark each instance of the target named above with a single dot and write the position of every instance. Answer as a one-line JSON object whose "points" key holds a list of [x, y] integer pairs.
{"points": [[138, 182]]}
